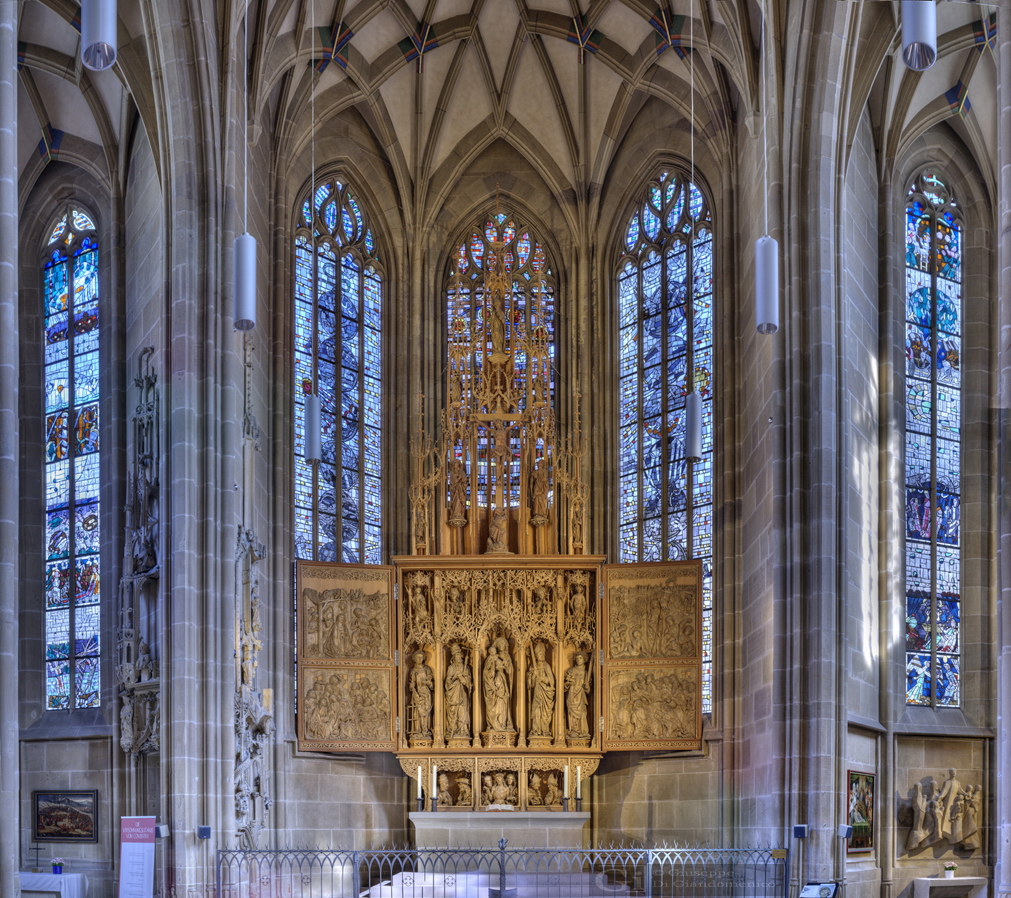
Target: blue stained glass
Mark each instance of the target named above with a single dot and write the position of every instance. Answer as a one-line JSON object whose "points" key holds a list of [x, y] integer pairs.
{"points": [[57, 685], [55, 288], [86, 626], [933, 430], [57, 484], [86, 378], [650, 223], [57, 584], [58, 534], [948, 681], [86, 430], [57, 442], [344, 299], [917, 237], [87, 580], [918, 688], [677, 537], [918, 303], [676, 210], [629, 543], [918, 351], [948, 615], [57, 387], [322, 192], [632, 232], [949, 302], [86, 475], [917, 621], [57, 333], [306, 214], [86, 531], [61, 226], [696, 203], [82, 221]]}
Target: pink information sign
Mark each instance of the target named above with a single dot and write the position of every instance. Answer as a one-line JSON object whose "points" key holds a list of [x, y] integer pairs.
{"points": [[136, 857]]}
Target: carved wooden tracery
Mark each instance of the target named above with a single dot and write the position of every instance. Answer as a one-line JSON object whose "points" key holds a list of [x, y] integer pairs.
{"points": [[487, 659]]}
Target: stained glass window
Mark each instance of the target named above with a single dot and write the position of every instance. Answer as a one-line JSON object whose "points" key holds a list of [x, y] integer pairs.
{"points": [[527, 317], [72, 541], [665, 336], [338, 316], [933, 443]]}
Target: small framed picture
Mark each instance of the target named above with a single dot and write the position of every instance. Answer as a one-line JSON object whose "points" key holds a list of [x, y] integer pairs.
{"points": [[860, 811], [65, 816]]}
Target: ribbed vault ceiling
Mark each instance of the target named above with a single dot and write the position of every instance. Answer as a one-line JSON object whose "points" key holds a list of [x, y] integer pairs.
{"points": [[493, 68]]}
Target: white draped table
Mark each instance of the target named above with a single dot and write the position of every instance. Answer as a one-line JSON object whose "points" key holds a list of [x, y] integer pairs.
{"points": [[67, 885]]}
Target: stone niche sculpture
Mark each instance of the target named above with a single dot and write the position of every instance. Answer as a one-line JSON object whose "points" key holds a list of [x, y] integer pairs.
{"points": [[949, 813]]}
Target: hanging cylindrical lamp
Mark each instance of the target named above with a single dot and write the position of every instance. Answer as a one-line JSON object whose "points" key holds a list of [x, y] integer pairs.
{"points": [[767, 285], [693, 413], [244, 283], [98, 33], [313, 429], [919, 34]]}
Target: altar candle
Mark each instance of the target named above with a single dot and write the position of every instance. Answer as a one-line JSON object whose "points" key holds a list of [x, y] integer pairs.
{"points": [[565, 792], [435, 787], [419, 781], [579, 780]]}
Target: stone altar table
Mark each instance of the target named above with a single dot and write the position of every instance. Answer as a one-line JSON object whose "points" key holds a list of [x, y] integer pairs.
{"points": [[956, 887], [483, 829]]}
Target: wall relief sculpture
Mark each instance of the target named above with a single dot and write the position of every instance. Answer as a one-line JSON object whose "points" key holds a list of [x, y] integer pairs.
{"points": [[949, 813], [137, 669]]}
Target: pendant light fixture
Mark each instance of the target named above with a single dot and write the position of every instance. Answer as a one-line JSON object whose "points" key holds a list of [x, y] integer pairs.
{"points": [[244, 280], [313, 413], [693, 401], [766, 247], [919, 34], [98, 33]]}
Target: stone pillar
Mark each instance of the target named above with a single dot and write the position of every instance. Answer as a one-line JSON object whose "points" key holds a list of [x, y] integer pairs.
{"points": [[1002, 830], [10, 771]]}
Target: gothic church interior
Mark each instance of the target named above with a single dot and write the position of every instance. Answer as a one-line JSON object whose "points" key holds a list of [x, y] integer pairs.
{"points": [[506, 252]]}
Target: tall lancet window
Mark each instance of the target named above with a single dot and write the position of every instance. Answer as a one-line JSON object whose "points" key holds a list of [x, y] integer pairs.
{"points": [[338, 347], [665, 346], [933, 443], [71, 298], [501, 313]]}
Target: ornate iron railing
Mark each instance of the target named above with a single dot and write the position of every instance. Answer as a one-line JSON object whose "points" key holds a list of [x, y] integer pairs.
{"points": [[635, 872]]}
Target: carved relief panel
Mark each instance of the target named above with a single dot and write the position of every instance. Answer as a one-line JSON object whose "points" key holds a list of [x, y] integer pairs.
{"points": [[653, 656], [347, 696]]}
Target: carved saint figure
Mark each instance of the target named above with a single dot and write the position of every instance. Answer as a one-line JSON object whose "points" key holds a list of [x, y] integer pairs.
{"points": [[578, 606], [457, 493], [464, 794], [540, 603], [499, 790], [539, 494], [553, 795], [514, 795], [497, 530], [534, 789], [458, 686], [946, 803], [577, 690], [919, 832], [497, 680], [444, 797], [144, 666], [421, 682], [970, 828], [486, 784], [497, 324], [541, 690]]}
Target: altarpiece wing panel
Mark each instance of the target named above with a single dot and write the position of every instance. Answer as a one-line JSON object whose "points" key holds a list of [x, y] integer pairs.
{"points": [[652, 694], [347, 696]]}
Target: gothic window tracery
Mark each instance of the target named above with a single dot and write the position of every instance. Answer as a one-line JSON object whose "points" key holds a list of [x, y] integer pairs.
{"points": [[71, 467], [339, 286], [665, 346], [933, 315]]}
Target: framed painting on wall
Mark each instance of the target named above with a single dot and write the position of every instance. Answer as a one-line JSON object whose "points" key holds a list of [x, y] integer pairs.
{"points": [[65, 816], [860, 813]]}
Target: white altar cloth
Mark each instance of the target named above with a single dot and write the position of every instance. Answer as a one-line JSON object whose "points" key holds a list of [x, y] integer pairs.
{"points": [[67, 885]]}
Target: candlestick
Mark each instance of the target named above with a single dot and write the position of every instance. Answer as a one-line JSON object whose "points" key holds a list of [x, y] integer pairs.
{"points": [[565, 791], [579, 782], [435, 783], [419, 781]]}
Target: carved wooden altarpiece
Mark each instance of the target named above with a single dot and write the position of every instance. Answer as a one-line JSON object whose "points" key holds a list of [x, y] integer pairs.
{"points": [[498, 651]]}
